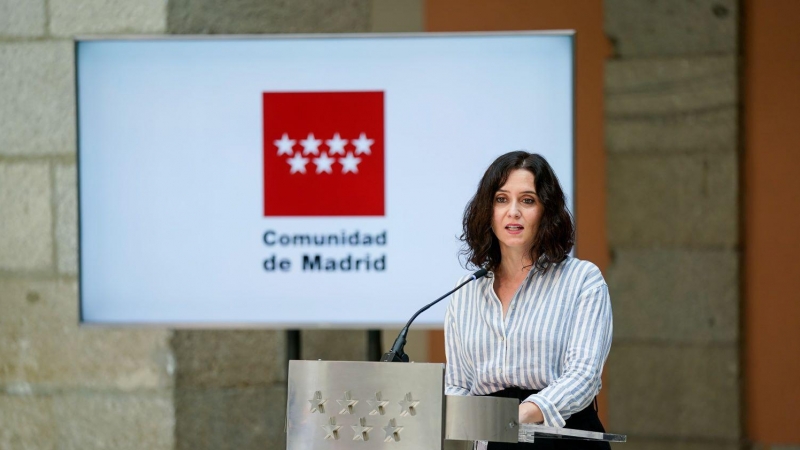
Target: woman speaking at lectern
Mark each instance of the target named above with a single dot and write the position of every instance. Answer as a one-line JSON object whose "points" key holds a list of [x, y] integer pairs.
{"points": [[538, 327]]}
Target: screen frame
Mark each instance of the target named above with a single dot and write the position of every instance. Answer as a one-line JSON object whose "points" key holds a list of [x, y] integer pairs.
{"points": [[77, 40]]}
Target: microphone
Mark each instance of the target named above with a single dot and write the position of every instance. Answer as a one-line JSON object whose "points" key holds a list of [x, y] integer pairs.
{"points": [[396, 354]]}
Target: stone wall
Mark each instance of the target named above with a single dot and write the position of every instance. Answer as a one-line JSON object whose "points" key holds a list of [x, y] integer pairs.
{"points": [[66, 386], [672, 137], [62, 385]]}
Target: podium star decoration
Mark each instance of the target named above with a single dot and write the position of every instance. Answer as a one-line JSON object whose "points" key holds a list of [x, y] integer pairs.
{"points": [[392, 431], [408, 405], [331, 429], [347, 403], [377, 404], [361, 430], [318, 403]]}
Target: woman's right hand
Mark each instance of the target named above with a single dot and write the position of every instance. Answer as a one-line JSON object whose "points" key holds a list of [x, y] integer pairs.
{"points": [[529, 412]]}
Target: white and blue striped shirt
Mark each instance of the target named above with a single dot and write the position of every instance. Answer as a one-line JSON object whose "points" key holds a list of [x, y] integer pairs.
{"points": [[555, 338]]}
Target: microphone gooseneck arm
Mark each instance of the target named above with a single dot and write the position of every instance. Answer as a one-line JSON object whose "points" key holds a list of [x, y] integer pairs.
{"points": [[396, 354]]}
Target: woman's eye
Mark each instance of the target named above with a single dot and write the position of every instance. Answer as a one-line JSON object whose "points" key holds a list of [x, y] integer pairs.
{"points": [[500, 199], [528, 201]]}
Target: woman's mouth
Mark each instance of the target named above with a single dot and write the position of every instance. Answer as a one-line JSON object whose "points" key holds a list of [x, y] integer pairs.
{"points": [[514, 228]]}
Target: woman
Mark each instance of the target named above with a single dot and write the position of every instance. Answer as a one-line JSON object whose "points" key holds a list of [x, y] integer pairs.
{"points": [[538, 327]]}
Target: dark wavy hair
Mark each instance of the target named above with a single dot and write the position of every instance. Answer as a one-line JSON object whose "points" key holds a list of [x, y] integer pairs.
{"points": [[556, 234]]}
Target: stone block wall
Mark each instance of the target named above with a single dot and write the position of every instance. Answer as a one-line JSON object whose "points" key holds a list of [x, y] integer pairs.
{"points": [[672, 137], [62, 385], [230, 389], [66, 386]]}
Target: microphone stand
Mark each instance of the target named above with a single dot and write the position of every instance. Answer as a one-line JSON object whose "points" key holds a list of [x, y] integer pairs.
{"points": [[396, 354]]}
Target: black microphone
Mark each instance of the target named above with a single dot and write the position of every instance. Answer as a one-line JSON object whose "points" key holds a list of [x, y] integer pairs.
{"points": [[396, 354]]}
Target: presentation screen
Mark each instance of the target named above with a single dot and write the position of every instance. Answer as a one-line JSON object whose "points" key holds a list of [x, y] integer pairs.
{"points": [[312, 181]]}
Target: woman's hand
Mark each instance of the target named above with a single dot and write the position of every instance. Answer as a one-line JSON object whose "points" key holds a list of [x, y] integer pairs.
{"points": [[529, 412]]}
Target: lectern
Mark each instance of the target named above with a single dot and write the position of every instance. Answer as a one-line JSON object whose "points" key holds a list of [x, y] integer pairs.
{"points": [[336, 405]]}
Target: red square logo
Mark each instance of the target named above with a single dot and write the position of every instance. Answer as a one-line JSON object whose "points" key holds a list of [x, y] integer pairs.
{"points": [[323, 154]]}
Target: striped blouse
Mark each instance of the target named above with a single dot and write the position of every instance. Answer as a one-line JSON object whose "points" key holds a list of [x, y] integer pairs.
{"points": [[555, 338]]}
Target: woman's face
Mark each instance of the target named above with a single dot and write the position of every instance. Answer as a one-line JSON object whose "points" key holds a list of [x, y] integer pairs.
{"points": [[517, 212]]}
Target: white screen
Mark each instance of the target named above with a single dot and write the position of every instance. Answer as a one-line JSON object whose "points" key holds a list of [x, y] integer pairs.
{"points": [[171, 171]]}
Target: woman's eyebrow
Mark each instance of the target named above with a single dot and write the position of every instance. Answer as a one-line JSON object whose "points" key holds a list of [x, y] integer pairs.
{"points": [[523, 192]]}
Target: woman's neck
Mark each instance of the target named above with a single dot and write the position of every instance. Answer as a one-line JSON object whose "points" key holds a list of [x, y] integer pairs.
{"points": [[514, 264]]}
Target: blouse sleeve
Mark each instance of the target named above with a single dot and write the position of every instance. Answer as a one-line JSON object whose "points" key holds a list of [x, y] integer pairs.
{"points": [[458, 377], [587, 350]]}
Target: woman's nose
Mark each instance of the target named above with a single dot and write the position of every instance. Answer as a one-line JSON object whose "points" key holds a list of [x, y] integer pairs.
{"points": [[513, 210]]}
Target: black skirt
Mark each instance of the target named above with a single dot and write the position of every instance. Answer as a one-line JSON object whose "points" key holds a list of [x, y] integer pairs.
{"points": [[585, 419]]}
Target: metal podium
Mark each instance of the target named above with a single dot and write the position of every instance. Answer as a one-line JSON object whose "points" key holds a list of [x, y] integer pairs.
{"points": [[337, 405]]}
